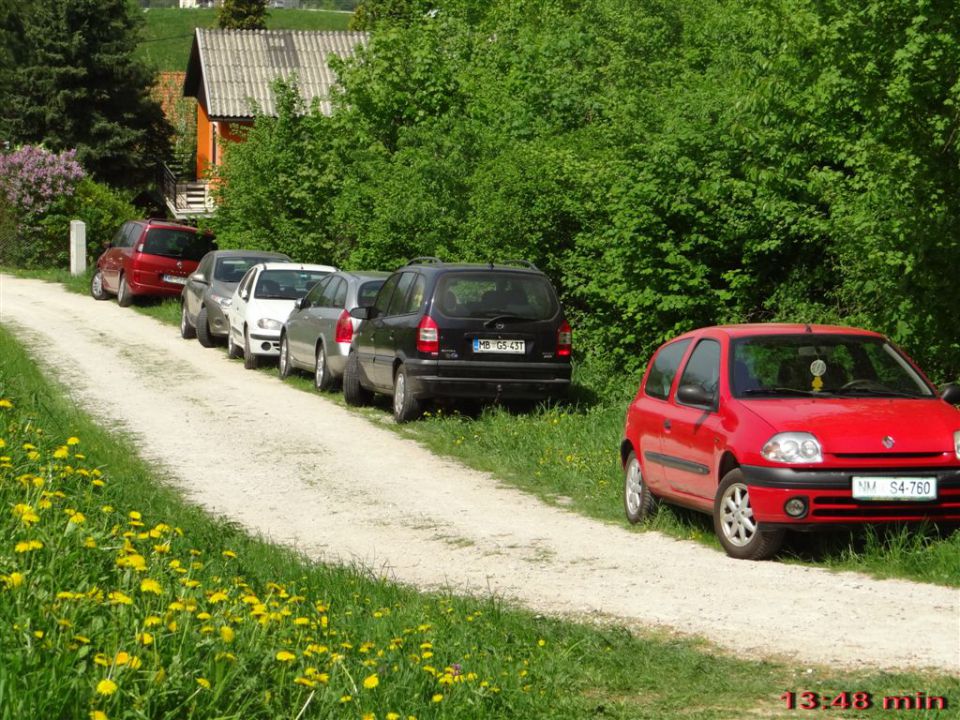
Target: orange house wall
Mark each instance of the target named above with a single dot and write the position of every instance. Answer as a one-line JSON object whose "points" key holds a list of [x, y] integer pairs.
{"points": [[209, 133]]}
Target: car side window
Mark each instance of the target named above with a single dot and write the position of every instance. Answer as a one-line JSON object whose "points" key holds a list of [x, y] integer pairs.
{"points": [[131, 235], [329, 292], [385, 294], [340, 298], [247, 282], [399, 297], [414, 298], [703, 367], [666, 363], [121, 235], [312, 298], [206, 267]]}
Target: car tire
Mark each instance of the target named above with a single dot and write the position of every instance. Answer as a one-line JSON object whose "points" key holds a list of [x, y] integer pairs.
{"points": [[284, 368], [97, 291], [353, 392], [187, 331], [405, 406], [124, 296], [322, 379], [203, 329], [250, 361], [234, 351], [638, 502], [740, 535]]}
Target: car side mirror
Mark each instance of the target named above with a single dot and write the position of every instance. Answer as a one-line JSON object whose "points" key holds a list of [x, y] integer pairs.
{"points": [[695, 395], [951, 394], [107, 245], [199, 277], [243, 294], [298, 304], [363, 312]]}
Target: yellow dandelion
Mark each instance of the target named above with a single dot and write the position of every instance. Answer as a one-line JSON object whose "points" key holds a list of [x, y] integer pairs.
{"points": [[106, 687], [134, 561], [73, 440], [301, 621], [13, 580], [61, 452], [77, 517], [203, 682], [89, 543], [27, 546], [286, 656], [306, 682], [229, 554], [121, 658], [226, 634], [134, 663], [541, 642], [118, 598], [344, 699], [218, 596], [393, 716], [145, 638], [149, 585], [371, 681], [98, 715], [437, 698], [6, 404], [82, 639], [369, 716], [151, 621]]}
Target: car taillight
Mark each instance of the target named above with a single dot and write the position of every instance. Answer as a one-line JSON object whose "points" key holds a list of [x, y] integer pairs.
{"points": [[428, 336], [344, 332], [564, 339]]}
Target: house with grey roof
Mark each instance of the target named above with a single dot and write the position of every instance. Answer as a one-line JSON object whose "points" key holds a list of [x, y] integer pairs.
{"points": [[231, 73]]}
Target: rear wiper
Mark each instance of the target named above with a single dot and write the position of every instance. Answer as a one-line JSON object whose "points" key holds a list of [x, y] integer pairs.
{"points": [[782, 391], [507, 318]]}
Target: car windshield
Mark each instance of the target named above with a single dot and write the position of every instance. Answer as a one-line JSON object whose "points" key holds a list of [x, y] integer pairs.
{"points": [[286, 284], [232, 269], [367, 292], [180, 244], [491, 294], [822, 365]]}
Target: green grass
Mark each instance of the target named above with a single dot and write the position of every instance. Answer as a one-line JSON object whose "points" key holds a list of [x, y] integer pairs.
{"points": [[103, 521], [567, 455], [168, 32]]}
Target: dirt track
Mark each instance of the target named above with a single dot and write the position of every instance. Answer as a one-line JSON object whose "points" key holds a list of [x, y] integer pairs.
{"points": [[303, 471]]}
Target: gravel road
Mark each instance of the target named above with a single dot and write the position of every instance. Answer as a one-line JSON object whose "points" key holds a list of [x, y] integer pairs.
{"points": [[298, 469]]}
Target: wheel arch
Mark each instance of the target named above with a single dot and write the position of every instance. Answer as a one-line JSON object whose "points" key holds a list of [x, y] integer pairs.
{"points": [[626, 447], [728, 462]]}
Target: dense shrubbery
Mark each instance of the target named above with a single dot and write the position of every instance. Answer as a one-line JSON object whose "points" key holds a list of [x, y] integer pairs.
{"points": [[670, 164], [40, 193]]}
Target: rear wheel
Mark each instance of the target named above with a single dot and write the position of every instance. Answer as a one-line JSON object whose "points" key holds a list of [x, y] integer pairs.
{"points": [[322, 380], [638, 502], [124, 296], [353, 392], [405, 406], [250, 361], [203, 329], [187, 331], [234, 351], [741, 535], [96, 287], [284, 368]]}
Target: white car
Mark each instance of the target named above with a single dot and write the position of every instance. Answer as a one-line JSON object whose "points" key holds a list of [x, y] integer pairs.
{"points": [[262, 302]]}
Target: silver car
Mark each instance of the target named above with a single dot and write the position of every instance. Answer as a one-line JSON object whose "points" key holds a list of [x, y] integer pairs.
{"points": [[317, 335], [208, 290]]}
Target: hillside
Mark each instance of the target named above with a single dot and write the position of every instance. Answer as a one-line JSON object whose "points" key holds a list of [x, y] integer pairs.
{"points": [[168, 32]]}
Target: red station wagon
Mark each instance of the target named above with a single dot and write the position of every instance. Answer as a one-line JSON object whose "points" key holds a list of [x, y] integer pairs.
{"points": [[150, 258], [776, 427]]}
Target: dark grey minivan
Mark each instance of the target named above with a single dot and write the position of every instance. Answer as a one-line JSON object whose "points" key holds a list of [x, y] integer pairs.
{"points": [[209, 289]]}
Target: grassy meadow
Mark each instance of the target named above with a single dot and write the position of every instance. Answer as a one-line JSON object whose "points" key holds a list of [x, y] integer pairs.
{"points": [[120, 600], [168, 32]]}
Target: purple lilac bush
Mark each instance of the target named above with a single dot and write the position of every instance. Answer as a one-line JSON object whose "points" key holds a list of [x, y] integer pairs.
{"points": [[33, 178]]}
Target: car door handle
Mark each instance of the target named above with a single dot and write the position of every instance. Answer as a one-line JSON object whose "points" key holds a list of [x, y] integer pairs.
{"points": [[666, 424]]}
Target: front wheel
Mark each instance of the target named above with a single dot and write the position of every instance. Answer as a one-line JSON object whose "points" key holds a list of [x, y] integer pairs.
{"points": [[124, 296], [353, 392], [187, 331], [742, 536], [405, 406], [250, 361], [234, 351], [96, 287], [203, 329], [638, 502], [284, 368]]}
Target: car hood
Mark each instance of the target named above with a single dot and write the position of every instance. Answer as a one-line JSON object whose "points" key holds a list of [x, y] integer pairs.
{"points": [[278, 310], [859, 425]]}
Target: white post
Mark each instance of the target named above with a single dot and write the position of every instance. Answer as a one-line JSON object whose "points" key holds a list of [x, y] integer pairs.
{"points": [[78, 247]]}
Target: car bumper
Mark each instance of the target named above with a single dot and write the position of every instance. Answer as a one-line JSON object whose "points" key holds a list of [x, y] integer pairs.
{"points": [[144, 284], [217, 320], [830, 500], [465, 379], [265, 344]]}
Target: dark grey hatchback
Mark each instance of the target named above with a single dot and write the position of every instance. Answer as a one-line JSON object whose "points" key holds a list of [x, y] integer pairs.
{"points": [[437, 329]]}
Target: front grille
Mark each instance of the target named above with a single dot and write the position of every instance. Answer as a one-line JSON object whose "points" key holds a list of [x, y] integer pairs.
{"points": [[890, 455], [947, 507]]}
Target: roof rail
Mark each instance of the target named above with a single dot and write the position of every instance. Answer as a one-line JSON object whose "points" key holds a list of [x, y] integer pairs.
{"points": [[425, 260], [519, 261]]}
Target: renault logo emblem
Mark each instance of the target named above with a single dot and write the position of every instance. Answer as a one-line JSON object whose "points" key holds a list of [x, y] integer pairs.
{"points": [[179, 265], [888, 442], [499, 326]]}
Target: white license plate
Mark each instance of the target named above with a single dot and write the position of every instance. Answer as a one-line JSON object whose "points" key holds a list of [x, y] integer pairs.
{"points": [[511, 347], [175, 279], [895, 488]]}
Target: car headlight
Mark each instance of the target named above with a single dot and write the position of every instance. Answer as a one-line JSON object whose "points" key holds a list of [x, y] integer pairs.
{"points": [[793, 447], [956, 443], [268, 324], [221, 300]]}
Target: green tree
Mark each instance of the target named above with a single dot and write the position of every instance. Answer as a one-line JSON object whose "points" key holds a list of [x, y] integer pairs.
{"points": [[76, 84], [242, 15]]}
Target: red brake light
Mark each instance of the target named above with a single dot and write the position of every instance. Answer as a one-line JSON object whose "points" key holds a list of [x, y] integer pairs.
{"points": [[344, 331], [428, 336], [564, 339]]}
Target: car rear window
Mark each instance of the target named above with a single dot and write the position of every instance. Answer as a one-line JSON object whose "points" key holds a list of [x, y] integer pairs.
{"points": [[232, 269], [490, 294], [286, 284], [180, 244]]}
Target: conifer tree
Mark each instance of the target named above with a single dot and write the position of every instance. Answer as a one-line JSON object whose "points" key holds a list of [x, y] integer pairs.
{"points": [[243, 15]]}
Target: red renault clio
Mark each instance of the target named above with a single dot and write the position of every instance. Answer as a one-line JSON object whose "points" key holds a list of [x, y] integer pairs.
{"points": [[777, 427]]}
